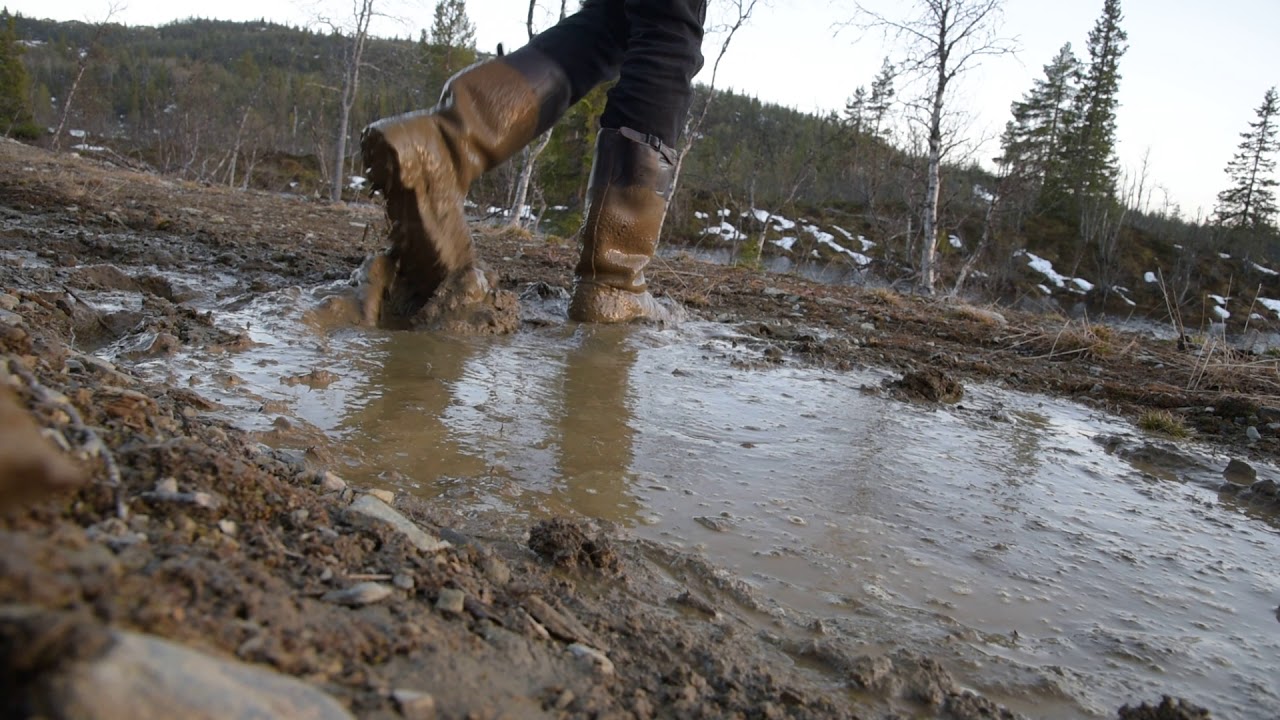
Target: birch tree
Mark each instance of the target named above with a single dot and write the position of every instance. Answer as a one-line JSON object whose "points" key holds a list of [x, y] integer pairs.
{"points": [[939, 41], [352, 62], [532, 152]]}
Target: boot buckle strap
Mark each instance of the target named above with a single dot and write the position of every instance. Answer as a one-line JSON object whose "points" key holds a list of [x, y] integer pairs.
{"points": [[652, 141]]}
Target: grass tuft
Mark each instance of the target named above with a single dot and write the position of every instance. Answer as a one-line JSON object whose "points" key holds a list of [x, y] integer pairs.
{"points": [[1163, 422]]}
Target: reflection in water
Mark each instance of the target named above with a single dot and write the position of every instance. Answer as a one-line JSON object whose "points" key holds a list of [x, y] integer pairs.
{"points": [[596, 434]]}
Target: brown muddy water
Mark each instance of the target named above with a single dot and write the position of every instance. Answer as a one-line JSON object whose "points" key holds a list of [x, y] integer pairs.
{"points": [[1054, 558]]}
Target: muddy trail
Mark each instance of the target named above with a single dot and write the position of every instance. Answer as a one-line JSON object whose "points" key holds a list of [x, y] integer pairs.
{"points": [[806, 501]]}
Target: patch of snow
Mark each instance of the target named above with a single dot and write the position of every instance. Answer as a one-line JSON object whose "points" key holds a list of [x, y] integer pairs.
{"points": [[1272, 305], [726, 231], [725, 212], [560, 208], [785, 243], [1045, 290], [1044, 267], [1083, 284], [78, 134], [88, 148], [1224, 256], [1218, 299], [1265, 270], [1150, 278], [1256, 316], [956, 242], [1122, 290], [1177, 247], [1221, 313], [30, 43], [1128, 302], [983, 194], [847, 235], [866, 244], [495, 210], [355, 182], [701, 215], [826, 238], [779, 222], [469, 204], [815, 255]]}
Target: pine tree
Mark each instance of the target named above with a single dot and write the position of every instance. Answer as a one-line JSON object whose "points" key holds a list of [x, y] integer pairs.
{"points": [[453, 42], [15, 87], [1090, 147], [1250, 202], [1033, 140]]}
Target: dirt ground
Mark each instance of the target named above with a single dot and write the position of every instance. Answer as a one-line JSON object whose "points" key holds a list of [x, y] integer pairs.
{"points": [[187, 529]]}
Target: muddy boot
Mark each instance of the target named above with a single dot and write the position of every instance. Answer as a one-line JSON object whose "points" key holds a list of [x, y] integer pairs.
{"points": [[424, 162], [626, 200]]}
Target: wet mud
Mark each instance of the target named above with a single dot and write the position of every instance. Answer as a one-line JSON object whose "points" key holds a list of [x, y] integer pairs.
{"points": [[242, 518]]}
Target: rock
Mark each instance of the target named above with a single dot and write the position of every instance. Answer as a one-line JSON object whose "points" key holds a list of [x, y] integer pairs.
{"points": [[372, 507], [91, 672], [404, 581], [560, 624], [8, 302], [868, 327], [598, 660], [1239, 472], [365, 593], [715, 523], [166, 490], [228, 527], [414, 705], [30, 466], [1253, 434], [330, 482], [385, 496], [452, 601], [496, 570], [1168, 709]]}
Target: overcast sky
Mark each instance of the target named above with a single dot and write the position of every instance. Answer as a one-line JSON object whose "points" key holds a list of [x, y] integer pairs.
{"points": [[1195, 71]]}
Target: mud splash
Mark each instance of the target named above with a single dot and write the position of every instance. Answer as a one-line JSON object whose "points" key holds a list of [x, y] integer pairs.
{"points": [[1031, 545]]}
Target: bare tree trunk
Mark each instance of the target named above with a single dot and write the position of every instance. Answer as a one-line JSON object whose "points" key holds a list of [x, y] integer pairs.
{"points": [[352, 63], [532, 152], [71, 96], [81, 65], [940, 40], [932, 188], [988, 224]]}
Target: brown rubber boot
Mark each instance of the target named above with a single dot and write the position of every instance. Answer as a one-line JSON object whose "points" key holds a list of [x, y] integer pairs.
{"points": [[424, 162], [626, 200]]}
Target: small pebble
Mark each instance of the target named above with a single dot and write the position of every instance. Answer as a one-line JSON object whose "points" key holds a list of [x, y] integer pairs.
{"points": [[565, 700], [228, 527], [451, 600], [365, 593], [404, 581], [414, 705], [167, 486], [1253, 434], [385, 496], [496, 570], [598, 660], [326, 575], [330, 482]]}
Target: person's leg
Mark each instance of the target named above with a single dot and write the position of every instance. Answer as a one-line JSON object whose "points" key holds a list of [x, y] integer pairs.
{"points": [[664, 52], [635, 161], [424, 162]]}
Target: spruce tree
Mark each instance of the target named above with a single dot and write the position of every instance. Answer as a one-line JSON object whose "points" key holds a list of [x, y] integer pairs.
{"points": [[453, 42], [1090, 148], [1250, 202], [15, 87], [1033, 141]]}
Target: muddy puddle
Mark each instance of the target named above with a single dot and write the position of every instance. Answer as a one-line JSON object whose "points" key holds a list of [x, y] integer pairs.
{"points": [[1055, 559]]}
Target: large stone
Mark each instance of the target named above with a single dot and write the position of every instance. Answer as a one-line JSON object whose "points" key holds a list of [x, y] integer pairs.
{"points": [[371, 506], [79, 669]]}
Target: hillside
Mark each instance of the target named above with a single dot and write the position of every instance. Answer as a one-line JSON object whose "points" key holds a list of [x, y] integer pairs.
{"points": [[254, 105]]}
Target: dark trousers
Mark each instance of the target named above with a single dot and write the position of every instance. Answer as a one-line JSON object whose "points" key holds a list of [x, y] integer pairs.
{"points": [[653, 47]]}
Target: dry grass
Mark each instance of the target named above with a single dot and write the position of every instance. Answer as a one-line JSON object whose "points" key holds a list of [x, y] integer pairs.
{"points": [[981, 316], [885, 296], [1077, 339], [1163, 422]]}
